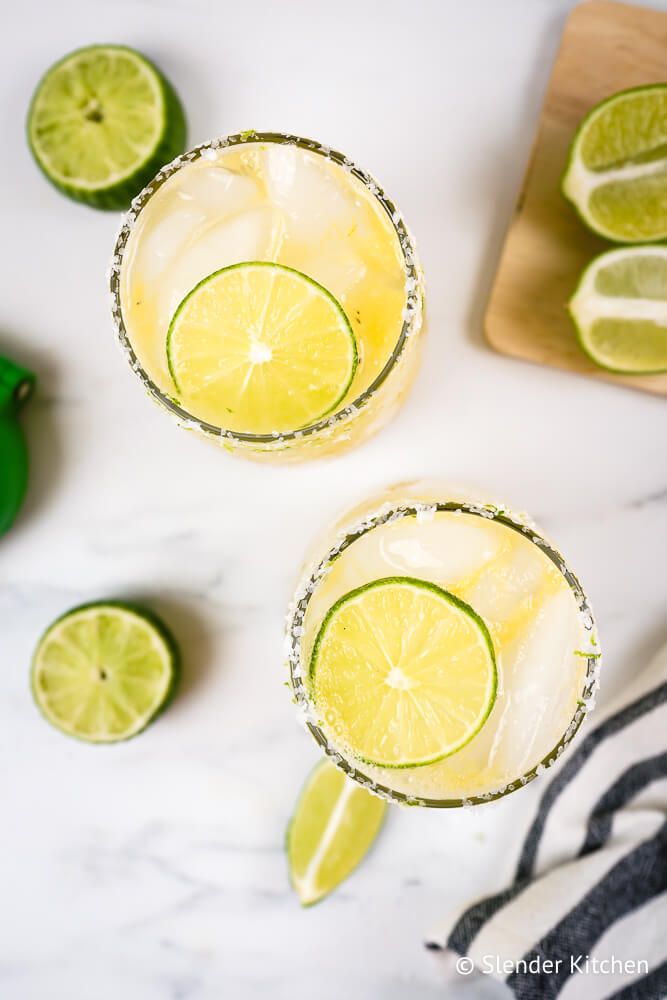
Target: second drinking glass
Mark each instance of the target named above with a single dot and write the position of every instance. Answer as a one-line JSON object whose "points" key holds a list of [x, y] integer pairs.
{"points": [[440, 650]]}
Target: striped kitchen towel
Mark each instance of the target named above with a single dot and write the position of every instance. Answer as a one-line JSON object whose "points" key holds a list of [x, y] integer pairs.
{"points": [[586, 915]]}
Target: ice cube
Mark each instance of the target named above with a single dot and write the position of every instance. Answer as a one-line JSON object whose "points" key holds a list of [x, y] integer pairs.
{"points": [[247, 237], [164, 239], [174, 216], [217, 190], [338, 268], [543, 685], [446, 549], [506, 585], [308, 188]]}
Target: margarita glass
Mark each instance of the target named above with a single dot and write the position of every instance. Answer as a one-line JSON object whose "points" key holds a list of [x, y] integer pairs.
{"points": [[270, 197], [518, 592]]}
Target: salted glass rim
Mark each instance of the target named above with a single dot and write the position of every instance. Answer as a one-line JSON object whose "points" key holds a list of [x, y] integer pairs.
{"points": [[390, 512], [412, 310]]}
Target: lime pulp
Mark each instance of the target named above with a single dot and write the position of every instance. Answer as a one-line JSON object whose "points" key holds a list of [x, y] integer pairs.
{"points": [[101, 123], [103, 671]]}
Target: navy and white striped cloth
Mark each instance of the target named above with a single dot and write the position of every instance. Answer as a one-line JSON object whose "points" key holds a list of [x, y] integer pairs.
{"points": [[586, 915]]}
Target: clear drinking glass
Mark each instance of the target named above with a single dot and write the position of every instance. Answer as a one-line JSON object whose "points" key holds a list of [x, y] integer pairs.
{"points": [[387, 366], [537, 613]]}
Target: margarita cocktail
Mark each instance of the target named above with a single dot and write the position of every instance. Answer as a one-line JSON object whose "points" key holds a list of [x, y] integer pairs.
{"points": [[268, 295], [440, 650]]}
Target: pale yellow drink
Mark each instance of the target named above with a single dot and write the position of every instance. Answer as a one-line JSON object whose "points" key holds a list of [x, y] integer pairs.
{"points": [[292, 202], [535, 610]]}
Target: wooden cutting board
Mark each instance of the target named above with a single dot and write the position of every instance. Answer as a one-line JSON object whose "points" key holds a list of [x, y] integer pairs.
{"points": [[606, 47]]}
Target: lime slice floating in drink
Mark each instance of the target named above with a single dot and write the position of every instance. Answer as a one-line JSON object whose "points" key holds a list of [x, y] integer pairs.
{"points": [[103, 671], [102, 122], [402, 673], [617, 171], [259, 348], [620, 310], [335, 823]]}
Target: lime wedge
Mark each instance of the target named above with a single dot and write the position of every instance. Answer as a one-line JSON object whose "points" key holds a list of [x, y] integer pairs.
{"points": [[334, 825], [103, 671], [259, 348], [620, 310], [403, 673], [617, 171], [101, 123]]}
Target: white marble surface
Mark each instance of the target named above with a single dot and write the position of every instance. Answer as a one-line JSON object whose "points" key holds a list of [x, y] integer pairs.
{"points": [[154, 870]]}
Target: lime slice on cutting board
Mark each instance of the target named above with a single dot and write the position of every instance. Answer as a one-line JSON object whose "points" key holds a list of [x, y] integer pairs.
{"points": [[620, 310], [617, 171], [335, 822], [402, 673], [103, 671], [102, 122], [259, 348]]}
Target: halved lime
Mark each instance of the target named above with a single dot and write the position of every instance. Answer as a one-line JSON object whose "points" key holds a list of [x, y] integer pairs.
{"points": [[259, 348], [101, 123], [335, 822], [103, 671], [620, 310], [403, 673], [617, 170]]}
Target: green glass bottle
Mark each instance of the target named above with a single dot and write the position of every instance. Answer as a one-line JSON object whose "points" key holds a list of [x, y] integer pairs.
{"points": [[16, 386]]}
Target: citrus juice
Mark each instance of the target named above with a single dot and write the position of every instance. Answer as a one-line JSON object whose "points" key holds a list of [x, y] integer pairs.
{"points": [[440, 650], [269, 199]]}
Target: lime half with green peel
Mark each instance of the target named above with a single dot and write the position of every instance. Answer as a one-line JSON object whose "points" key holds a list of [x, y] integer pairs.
{"points": [[620, 310], [403, 673], [335, 822], [259, 348], [102, 122], [103, 671], [617, 171]]}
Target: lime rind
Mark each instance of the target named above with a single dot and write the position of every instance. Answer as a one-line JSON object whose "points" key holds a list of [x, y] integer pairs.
{"points": [[453, 600], [587, 305], [309, 892], [354, 361], [168, 143], [171, 660], [579, 182]]}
